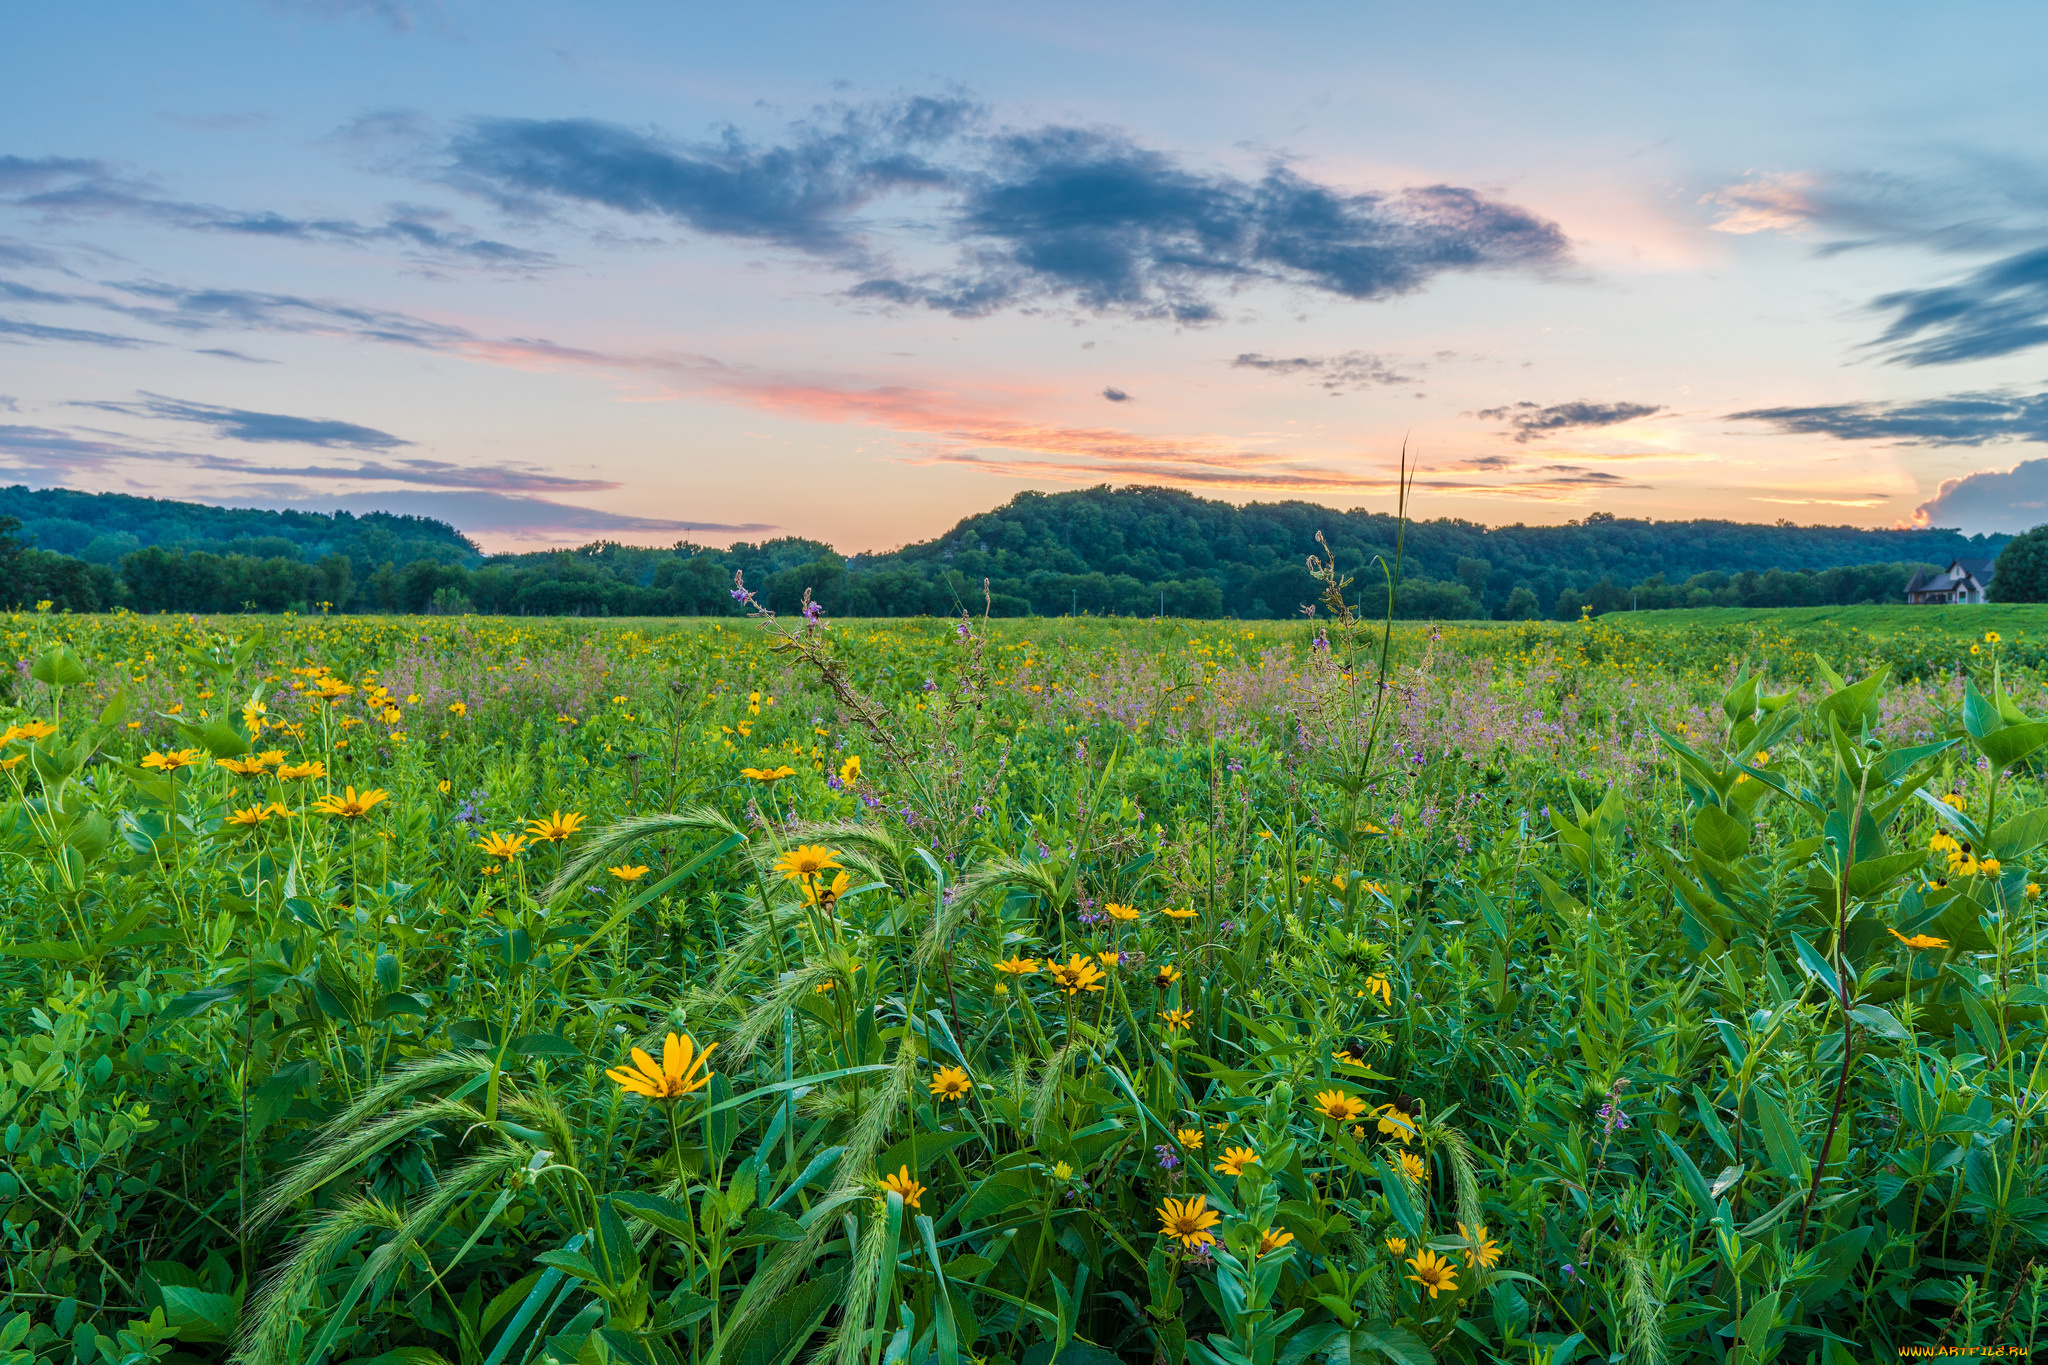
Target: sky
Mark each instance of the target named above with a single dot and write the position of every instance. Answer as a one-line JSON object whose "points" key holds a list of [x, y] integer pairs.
{"points": [[650, 272]]}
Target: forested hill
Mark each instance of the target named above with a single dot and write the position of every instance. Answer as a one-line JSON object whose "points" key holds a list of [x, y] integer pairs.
{"points": [[1129, 551]]}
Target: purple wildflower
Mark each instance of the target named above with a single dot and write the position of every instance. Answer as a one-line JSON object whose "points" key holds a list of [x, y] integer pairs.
{"points": [[1167, 1159]]}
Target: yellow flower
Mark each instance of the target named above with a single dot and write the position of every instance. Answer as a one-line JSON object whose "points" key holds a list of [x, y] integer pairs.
{"points": [[458, 709], [1235, 1159], [1174, 914], [32, 731], [557, 828], [1991, 637], [1413, 1168], [1109, 958], [566, 720], [292, 772], [951, 1083], [8, 763], [1062, 1171], [768, 774], [1190, 1138], [1377, 984], [1017, 966], [805, 861], [826, 895], [1989, 867], [1272, 1239], [849, 772], [681, 1071], [1397, 1245], [444, 786], [333, 689], [282, 812], [1122, 914], [1918, 940], [626, 873], [172, 761], [1395, 1122], [1166, 975], [1485, 1251], [2033, 890], [1433, 1272], [251, 766], [350, 806], [254, 815], [503, 847], [1077, 975], [902, 1183], [1188, 1221], [1176, 1019], [1337, 1105]]}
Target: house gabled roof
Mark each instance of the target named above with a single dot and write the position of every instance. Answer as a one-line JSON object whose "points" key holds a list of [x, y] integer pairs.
{"points": [[1919, 581], [1979, 569]]}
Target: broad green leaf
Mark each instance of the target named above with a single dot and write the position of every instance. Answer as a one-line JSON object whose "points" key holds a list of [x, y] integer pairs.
{"points": [[1781, 1140], [57, 666], [1720, 834]]}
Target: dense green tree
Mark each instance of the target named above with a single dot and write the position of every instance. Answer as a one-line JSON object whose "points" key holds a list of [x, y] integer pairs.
{"points": [[2020, 573]]}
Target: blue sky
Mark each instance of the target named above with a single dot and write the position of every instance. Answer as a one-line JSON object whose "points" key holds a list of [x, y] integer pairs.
{"points": [[664, 271]]}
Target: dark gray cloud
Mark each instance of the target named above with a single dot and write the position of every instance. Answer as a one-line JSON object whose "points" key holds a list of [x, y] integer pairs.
{"points": [[13, 328], [25, 448], [2013, 500], [240, 424], [1997, 310], [1531, 421], [1959, 419], [1080, 216], [1116, 395], [68, 188], [198, 310], [1351, 370], [801, 194]]}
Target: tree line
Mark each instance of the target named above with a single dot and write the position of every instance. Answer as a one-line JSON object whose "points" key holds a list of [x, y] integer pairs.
{"points": [[1131, 551]]}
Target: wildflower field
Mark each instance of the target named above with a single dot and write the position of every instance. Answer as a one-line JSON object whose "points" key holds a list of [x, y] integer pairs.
{"points": [[421, 990]]}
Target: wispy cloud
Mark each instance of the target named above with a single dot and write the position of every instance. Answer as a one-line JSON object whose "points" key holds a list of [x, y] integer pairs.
{"points": [[1351, 370], [1532, 421], [1082, 216], [1960, 419], [1998, 310], [21, 331], [240, 424], [69, 188]]}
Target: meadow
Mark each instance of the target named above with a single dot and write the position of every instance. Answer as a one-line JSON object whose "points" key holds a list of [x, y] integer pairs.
{"points": [[460, 991]]}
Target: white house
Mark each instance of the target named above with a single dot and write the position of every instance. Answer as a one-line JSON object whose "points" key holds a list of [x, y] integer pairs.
{"points": [[1964, 580]]}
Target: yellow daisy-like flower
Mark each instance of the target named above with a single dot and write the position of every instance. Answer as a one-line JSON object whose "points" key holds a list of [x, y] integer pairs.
{"points": [[1075, 976], [7, 764], [1188, 1221], [682, 1069], [1992, 637], [1122, 914], [270, 758], [1377, 984], [1174, 914], [905, 1184], [808, 860], [1412, 1166], [1190, 1138], [172, 761], [1918, 940], [503, 847], [823, 894], [951, 1083], [350, 806], [1166, 975], [1062, 1171], [1271, 1240], [282, 812], [1110, 958], [1433, 1272], [1235, 1159], [252, 766], [627, 873], [1176, 1019], [1017, 966], [458, 709], [253, 815], [1485, 1252], [768, 774], [849, 772], [32, 731], [293, 772], [1397, 1245], [444, 786], [557, 828], [1395, 1122], [1335, 1104]]}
